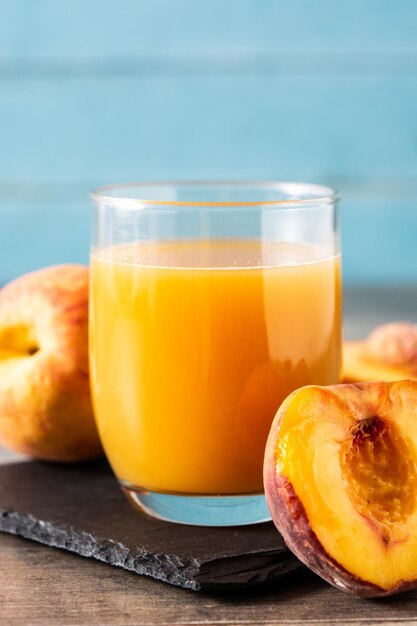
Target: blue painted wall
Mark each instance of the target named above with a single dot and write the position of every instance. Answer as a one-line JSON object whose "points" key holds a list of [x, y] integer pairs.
{"points": [[97, 91]]}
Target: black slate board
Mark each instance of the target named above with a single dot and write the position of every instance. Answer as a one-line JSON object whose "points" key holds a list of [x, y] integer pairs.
{"points": [[81, 508]]}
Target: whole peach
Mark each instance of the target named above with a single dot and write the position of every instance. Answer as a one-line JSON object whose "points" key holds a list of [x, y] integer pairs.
{"points": [[45, 404]]}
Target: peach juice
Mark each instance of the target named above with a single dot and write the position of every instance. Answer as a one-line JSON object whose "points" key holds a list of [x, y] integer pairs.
{"points": [[194, 345]]}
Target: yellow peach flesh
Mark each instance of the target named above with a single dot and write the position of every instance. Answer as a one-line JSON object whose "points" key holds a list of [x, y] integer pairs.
{"points": [[312, 451], [359, 366]]}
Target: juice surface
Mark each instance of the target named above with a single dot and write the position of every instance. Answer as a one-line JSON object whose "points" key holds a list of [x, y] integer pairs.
{"points": [[194, 345]]}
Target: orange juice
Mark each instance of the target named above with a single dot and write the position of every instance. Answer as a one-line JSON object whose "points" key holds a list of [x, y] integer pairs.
{"points": [[194, 345]]}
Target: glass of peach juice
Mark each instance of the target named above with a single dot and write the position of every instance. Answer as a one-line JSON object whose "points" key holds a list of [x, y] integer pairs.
{"points": [[209, 304]]}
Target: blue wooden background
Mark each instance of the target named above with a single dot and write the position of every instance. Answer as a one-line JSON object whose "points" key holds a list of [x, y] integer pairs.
{"points": [[97, 91]]}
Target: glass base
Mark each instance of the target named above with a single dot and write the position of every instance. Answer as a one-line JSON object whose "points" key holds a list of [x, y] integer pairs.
{"points": [[201, 510]]}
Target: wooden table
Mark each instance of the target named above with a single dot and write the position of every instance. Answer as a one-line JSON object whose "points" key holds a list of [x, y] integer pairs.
{"points": [[43, 586]]}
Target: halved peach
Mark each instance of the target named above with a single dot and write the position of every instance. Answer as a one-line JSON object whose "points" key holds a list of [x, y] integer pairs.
{"points": [[389, 353], [340, 477]]}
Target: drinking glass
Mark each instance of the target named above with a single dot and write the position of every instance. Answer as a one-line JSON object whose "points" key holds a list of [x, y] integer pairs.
{"points": [[210, 303]]}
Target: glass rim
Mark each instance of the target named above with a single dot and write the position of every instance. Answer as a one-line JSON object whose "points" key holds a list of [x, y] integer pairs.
{"points": [[319, 194]]}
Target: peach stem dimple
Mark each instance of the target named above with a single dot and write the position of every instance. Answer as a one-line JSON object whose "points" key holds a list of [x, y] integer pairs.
{"points": [[17, 341]]}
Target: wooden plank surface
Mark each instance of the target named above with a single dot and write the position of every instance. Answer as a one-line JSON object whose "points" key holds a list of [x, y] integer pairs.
{"points": [[40, 586], [152, 127], [44, 587], [102, 91], [47, 28], [81, 508]]}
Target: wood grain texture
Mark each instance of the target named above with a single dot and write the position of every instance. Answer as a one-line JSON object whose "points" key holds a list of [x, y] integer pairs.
{"points": [[287, 127], [81, 508], [40, 586], [109, 27], [104, 91]]}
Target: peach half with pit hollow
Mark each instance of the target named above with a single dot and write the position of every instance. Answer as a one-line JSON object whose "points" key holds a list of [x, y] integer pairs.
{"points": [[388, 353], [340, 477]]}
